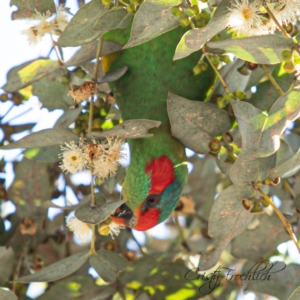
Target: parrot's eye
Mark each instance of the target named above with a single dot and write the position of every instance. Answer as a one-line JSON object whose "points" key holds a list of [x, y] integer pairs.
{"points": [[152, 200]]}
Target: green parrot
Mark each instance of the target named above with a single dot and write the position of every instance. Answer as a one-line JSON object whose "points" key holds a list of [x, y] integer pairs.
{"points": [[158, 169]]}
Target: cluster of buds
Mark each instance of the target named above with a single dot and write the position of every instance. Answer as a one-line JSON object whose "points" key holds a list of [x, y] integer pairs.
{"points": [[102, 158], [187, 12], [131, 7], [44, 25]]}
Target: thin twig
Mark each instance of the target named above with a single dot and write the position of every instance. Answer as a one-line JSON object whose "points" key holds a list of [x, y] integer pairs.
{"points": [[123, 2], [285, 222], [192, 24], [276, 21], [137, 242], [272, 79], [93, 200], [95, 75], [218, 74], [288, 188], [183, 241]]}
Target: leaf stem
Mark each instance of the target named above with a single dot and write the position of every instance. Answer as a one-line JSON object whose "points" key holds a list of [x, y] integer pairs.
{"points": [[218, 74], [192, 24], [276, 21], [183, 241], [272, 79], [93, 200], [93, 248], [123, 2], [137, 242], [94, 78], [285, 222]]}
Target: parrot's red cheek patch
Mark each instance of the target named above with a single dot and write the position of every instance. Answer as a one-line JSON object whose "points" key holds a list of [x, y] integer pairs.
{"points": [[161, 171], [147, 219]]}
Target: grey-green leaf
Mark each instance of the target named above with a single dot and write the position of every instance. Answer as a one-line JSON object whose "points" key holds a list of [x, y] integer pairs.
{"points": [[248, 167], [7, 295], [108, 264], [266, 94], [147, 26], [283, 111], [228, 216], [88, 52], [21, 76], [26, 9], [98, 213], [288, 168], [52, 93], [282, 283], [7, 259], [68, 117], [260, 241], [195, 39], [80, 30], [130, 129], [117, 17], [232, 77], [58, 270], [43, 138], [296, 294], [195, 123], [265, 49], [113, 75]]}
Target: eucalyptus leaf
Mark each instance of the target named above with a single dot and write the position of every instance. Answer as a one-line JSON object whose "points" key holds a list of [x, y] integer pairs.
{"points": [[99, 198], [210, 258], [287, 168], [266, 94], [58, 270], [284, 153], [26, 9], [88, 52], [108, 264], [159, 270], [30, 187], [248, 167], [22, 76], [130, 129], [68, 117], [43, 138], [283, 111], [98, 213], [113, 75], [147, 26], [282, 281], [228, 216], [7, 259], [7, 295], [77, 287], [117, 17], [194, 39], [48, 154], [296, 294], [52, 93], [80, 30], [265, 49], [232, 77], [260, 241], [194, 122]]}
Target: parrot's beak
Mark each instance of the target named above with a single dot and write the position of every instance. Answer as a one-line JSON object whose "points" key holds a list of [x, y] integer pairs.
{"points": [[124, 216]]}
